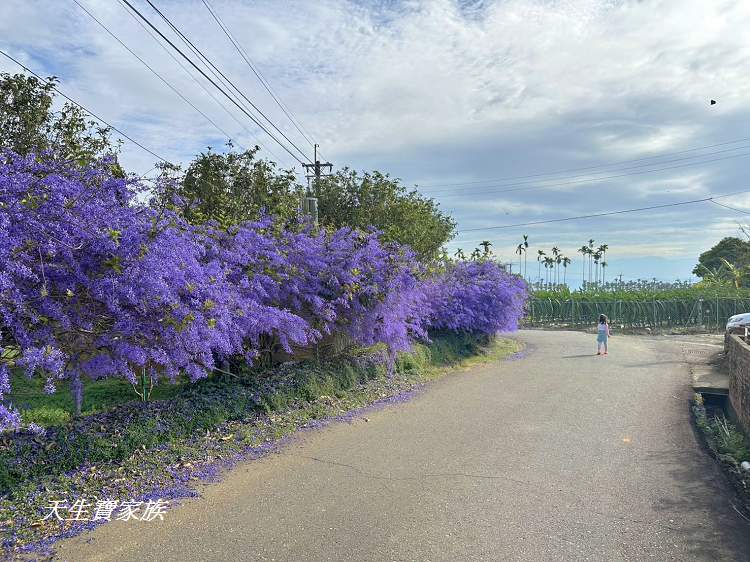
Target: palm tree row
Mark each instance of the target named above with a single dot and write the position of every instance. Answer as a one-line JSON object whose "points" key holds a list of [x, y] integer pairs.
{"points": [[552, 267], [595, 259], [593, 263]]}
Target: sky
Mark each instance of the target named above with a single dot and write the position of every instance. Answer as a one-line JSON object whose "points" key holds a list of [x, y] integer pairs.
{"points": [[506, 112]]}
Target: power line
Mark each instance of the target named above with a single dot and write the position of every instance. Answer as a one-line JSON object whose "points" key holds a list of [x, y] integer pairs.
{"points": [[607, 213], [229, 97], [148, 26], [211, 65], [154, 72], [256, 71], [638, 166], [609, 165], [221, 76], [200, 84], [732, 208], [601, 178], [94, 115]]}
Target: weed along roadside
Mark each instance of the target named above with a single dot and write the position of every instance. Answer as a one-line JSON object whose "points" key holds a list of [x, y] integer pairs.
{"points": [[728, 445], [157, 449]]}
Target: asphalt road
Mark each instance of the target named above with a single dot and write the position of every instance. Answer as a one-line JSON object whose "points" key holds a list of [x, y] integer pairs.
{"points": [[561, 455]]}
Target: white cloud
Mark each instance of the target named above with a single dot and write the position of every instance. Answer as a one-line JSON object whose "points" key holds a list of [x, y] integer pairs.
{"points": [[441, 91]]}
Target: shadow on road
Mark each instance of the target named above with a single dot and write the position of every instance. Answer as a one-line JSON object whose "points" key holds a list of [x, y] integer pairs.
{"points": [[703, 489]]}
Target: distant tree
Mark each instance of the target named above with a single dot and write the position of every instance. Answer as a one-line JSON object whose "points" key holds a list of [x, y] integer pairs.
{"points": [[565, 262], [549, 264], [520, 250], [29, 123], [376, 200], [234, 187], [715, 276], [734, 250], [555, 260], [539, 256], [584, 252]]}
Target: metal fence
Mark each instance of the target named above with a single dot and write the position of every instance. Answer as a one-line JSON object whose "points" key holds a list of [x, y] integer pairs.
{"points": [[709, 314]]}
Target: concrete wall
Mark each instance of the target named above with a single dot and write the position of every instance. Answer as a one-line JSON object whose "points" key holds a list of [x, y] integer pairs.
{"points": [[738, 354]]}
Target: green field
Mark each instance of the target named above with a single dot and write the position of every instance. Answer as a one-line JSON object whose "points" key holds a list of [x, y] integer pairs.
{"points": [[705, 308]]}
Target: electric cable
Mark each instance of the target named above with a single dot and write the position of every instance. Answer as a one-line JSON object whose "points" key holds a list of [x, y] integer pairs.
{"points": [[94, 115]]}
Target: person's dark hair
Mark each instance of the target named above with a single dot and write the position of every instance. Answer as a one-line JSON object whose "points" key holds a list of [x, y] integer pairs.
{"points": [[602, 319]]}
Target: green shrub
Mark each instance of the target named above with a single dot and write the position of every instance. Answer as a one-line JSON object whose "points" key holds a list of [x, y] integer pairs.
{"points": [[46, 416], [730, 444]]}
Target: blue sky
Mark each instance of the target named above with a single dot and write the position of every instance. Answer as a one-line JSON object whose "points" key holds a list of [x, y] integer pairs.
{"points": [[443, 92]]}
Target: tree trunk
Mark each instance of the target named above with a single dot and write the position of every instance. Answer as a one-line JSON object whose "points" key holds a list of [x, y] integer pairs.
{"points": [[76, 388]]}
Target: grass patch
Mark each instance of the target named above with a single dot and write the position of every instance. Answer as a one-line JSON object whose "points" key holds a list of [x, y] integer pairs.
{"points": [[729, 443], [47, 410]]}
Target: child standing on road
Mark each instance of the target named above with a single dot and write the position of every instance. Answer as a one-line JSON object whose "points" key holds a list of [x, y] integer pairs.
{"points": [[603, 335]]}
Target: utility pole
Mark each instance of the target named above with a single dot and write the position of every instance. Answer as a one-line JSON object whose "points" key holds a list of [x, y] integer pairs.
{"points": [[310, 205]]}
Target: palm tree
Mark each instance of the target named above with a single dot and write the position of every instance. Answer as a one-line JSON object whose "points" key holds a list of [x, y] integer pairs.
{"points": [[604, 266], [539, 255], [520, 250], [583, 250], [603, 249], [459, 255], [558, 261], [565, 262], [486, 244], [555, 253], [525, 250], [549, 263], [597, 256]]}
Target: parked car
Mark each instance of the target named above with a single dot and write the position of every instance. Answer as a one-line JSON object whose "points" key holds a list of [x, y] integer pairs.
{"points": [[736, 325]]}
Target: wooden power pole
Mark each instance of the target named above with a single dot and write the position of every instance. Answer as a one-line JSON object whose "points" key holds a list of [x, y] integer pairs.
{"points": [[314, 172]]}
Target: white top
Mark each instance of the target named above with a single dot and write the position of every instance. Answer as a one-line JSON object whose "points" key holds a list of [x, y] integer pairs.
{"points": [[603, 327]]}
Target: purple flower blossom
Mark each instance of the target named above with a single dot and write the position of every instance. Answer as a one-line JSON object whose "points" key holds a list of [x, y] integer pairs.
{"points": [[10, 419], [36, 429], [96, 283], [477, 297]]}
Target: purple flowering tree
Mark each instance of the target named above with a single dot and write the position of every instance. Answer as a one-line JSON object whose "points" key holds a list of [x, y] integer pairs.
{"points": [[95, 282], [477, 297]]}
